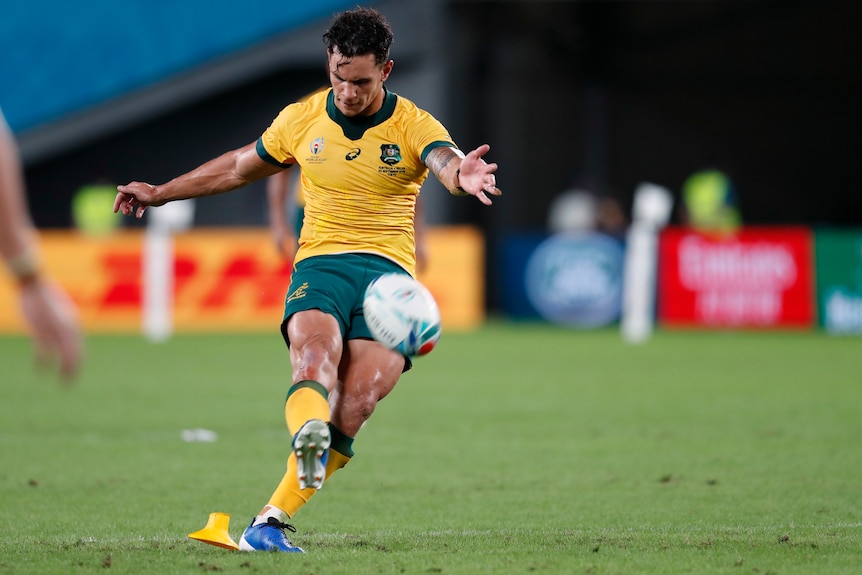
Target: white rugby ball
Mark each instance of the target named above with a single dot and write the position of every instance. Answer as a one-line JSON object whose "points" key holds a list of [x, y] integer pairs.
{"points": [[402, 314]]}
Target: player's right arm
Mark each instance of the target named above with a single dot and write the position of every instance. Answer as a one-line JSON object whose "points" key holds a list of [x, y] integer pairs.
{"points": [[227, 172]]}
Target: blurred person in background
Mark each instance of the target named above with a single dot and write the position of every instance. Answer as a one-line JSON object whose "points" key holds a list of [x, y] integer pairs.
{"points": [[286, 203], [48, 312], [584, 207], [364, 153], [710, 203]]}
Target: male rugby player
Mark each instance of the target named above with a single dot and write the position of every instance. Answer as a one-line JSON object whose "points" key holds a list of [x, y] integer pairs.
{"points": [[364, 152]]}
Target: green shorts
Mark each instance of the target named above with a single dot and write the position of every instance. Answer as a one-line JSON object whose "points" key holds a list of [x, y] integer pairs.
{"points": [[335, 284]]}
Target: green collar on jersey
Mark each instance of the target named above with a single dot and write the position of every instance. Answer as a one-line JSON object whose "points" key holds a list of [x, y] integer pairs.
{"points": [[355, 127]]}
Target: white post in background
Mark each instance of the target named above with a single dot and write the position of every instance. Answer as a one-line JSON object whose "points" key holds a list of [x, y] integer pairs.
{"points": [[651, 212], [158, 266]]}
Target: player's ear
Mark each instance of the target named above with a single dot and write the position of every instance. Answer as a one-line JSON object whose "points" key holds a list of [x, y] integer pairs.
{"points": [[387, 69]]}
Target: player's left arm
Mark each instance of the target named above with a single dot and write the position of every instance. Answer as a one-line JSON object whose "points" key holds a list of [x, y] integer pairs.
{"points": [[464, 175]]}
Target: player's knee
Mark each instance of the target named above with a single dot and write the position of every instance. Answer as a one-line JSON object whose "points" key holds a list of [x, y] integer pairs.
{"points": [[317, 359]]}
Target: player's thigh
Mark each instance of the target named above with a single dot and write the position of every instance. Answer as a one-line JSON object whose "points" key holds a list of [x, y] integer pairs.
{"points": [[315, 338]]}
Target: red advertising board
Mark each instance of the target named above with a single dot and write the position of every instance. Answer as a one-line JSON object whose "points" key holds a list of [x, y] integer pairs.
{"points": [[760, 277]]}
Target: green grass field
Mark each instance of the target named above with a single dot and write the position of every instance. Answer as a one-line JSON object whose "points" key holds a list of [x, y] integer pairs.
{"points": [[514, 449]]}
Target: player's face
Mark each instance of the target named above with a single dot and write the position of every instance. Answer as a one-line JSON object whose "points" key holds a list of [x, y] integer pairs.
{"points": [[357, 83]]}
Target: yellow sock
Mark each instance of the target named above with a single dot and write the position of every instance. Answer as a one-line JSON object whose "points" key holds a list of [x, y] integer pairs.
{"points": [[288, 496], [306, 400], [336, 461]]}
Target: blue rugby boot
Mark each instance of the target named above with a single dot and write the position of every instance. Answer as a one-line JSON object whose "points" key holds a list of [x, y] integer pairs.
{"points": [[268, 536], [311, 446]]}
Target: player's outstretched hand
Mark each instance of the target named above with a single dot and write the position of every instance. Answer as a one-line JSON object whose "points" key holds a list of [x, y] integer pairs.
{"points": [[135, 197], [477, 177], [53, 321]]}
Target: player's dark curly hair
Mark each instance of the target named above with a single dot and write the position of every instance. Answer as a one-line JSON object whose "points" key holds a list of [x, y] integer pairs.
{"points": [[359, 32]]}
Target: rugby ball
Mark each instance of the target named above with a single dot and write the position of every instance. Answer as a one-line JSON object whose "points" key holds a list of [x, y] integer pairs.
{"points": [[402, 314]]}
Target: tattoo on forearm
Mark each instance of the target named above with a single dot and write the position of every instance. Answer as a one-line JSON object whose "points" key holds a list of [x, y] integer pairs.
{"points": [[438, 159]]}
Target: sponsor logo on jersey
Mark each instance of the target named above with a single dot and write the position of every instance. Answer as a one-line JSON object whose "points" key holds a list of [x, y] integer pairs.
{"points": [[353, 154], [390, 154]]}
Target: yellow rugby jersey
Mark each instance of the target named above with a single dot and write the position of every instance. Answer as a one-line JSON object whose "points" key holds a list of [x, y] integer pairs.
{"points": [[360, 176]]}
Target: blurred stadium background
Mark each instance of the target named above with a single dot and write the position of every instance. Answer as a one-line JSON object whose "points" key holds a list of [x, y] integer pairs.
{"points": [[570, 95]]}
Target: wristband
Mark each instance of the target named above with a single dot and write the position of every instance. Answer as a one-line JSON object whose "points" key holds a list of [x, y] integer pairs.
{"points": [[458, 187], [25, 267]]}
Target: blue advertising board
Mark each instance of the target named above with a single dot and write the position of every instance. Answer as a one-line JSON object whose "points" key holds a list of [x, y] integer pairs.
{"points": [[569, 279]]}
